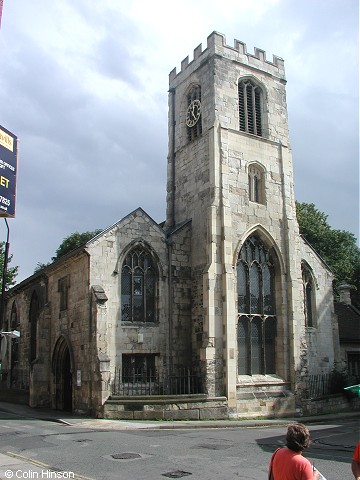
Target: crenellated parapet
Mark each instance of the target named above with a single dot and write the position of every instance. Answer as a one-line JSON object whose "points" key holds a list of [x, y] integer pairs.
{"points": [[216, 45]]}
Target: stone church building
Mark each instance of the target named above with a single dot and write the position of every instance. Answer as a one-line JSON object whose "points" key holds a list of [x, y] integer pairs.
{"points": [[221, 311]]}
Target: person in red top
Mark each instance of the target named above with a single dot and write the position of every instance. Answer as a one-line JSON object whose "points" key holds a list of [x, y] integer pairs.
{"points": [[355, 465], [288, 463]]}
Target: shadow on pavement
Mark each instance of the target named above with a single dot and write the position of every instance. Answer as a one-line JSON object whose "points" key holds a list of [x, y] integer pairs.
{"points": [[338, 441]]}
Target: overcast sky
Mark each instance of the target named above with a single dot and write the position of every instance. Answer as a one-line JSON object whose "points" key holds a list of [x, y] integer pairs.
{"points": [[83, 84]]}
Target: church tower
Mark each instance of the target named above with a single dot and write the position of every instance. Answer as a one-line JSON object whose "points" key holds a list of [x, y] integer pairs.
{"points": [[230, 171]]}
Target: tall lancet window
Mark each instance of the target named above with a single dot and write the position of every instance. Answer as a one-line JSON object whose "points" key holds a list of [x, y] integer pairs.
{"points": [[309, 296], [250, 107], [33, 319], [256, 330]]}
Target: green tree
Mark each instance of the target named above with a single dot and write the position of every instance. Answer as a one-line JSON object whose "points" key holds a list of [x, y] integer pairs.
{"points": [[11, 271], [72, 241], [337, 248]]}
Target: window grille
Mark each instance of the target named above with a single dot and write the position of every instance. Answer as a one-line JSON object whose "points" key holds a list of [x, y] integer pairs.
{"points": [[353, 363], [250, 100], [196, 130], [256, 309], [138, 368], [139, 375], [138, 287]]}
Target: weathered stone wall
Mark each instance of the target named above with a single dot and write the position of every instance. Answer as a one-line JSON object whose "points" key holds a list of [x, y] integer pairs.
{"points": [[331, 404], [211, 188], [113, 337], [169, 336], [180, 324], [322, 338], [53, 324]]}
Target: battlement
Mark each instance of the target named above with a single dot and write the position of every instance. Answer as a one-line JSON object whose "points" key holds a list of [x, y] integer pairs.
{"points": [[216, 44]]}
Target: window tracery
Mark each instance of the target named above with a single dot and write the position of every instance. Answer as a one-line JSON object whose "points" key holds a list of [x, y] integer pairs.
{"points": [[138, 287], [256, 309]]}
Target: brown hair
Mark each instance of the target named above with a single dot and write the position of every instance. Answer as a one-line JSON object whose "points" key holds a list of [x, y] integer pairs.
{"points": [[297, 437]]}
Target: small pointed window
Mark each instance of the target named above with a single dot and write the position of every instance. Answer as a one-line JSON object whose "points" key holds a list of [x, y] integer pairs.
{"points": [[256, 187]]}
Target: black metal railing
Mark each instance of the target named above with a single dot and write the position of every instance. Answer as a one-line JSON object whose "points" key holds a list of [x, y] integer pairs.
{"points": [[15, 379], [330, 383], [135, 382]]}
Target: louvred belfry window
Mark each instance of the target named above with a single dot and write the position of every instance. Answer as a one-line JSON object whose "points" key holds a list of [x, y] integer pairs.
{"points": [[250, 107], [138, 287], [256, 331]]}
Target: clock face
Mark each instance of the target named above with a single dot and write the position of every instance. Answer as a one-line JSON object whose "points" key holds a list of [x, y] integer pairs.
{"points": [[193, 113]]}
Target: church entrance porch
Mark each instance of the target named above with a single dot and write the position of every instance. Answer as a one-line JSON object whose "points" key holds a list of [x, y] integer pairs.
{"points": [[62, 371]]}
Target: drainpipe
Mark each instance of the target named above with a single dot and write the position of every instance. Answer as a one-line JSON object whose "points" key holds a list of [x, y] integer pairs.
{"points": [[171, 224], [290, 331], [172, 158], [169, 243]]}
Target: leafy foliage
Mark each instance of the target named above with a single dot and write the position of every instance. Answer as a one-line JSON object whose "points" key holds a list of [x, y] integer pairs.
{"points": [[74, 240], [40, 266], [11, 271], [337, 248]]}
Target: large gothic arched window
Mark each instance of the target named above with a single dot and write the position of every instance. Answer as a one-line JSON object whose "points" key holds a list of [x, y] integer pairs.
{"points": [[250, 107], [256, 309], [138, 287]]}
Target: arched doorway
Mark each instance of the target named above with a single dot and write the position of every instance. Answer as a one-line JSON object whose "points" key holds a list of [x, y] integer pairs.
{"points": [[62, 370]]}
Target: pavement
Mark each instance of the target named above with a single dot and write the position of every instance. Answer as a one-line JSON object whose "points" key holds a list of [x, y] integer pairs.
{"points": [[12, 463]]}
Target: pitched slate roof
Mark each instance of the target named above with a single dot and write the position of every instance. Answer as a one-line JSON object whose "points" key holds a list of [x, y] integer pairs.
{"points": [[349, 322]]}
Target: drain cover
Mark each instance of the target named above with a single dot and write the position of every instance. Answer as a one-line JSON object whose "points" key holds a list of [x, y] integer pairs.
{"points": [[214, 446], [176, 474], [125, 456]]}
